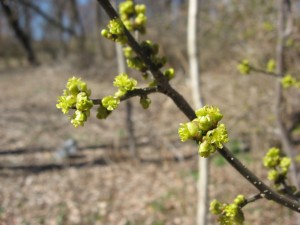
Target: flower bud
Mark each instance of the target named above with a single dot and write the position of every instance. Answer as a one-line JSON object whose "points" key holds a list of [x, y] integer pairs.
{"points": [[140, 8], [145, 102], [169, 73], [205, 149]]}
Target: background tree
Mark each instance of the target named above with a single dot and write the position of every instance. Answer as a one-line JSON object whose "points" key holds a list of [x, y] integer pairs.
{"points": [[203, 167], [19, 32]]}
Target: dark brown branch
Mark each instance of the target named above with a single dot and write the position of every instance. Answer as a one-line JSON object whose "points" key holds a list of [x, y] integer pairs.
{"points": [[252, 199], [265, 190], [46, 16], [136, 92], [264, 72], [163, 84], [165, 88]]}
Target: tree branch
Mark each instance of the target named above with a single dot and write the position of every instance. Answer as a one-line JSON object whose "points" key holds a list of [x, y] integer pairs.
{"points": [[252, 199], [136, 92], [165, 88], [264, 72], [163, 84], [19, 32], [265, 190]]}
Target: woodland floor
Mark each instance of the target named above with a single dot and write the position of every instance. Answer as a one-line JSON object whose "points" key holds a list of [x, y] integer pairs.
{"points": [[102, 185]]}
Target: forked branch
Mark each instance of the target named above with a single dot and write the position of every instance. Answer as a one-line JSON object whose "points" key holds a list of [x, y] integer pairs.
{"points": [[165, 88]]}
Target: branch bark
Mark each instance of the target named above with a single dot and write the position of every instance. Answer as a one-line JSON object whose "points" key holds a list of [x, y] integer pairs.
{"points": [[165, 88], [142, 92]]}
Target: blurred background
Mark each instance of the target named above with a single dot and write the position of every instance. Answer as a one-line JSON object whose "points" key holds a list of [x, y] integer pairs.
{"points": [[53, 173]]}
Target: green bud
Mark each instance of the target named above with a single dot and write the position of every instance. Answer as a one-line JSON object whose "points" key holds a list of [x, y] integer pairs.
{"points": [[124, 83], [110, 102], [189, 130], [73, 89], [209, 116], [63, 104], [126, 7], [289, 81], [140, 20], [76, 95], [105, 33], [128, 52], [217, 136], [115, 31], [273, 175], [145, 102], [183, 132], [169, 73], [285, 163], [205, 122], [136, 63], [128, 25], [115, 27], [271, 65], [216, 207], [229, 214], [272, 158], [240, 199], [83, 103], [205, 149], [140, 8], [102, 112], [244, 67], [193, 129], [71, 100], [120, 93], [79, 118]]}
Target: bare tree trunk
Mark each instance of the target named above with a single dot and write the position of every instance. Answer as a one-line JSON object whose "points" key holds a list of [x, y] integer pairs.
{"points": [[59, 7], [203, 163], [77, 23], [20, 34], [45, 16], [27, 25], [284, 29], [285, 139]]}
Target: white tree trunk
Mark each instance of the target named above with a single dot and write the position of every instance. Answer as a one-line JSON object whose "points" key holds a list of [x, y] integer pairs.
{"points": [[202, 185]]}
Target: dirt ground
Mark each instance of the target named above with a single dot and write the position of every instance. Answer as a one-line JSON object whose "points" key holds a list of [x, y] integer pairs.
{"points": [[102, 185]]}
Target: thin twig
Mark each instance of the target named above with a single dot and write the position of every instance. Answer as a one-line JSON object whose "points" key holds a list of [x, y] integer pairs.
{"points": [[129, 94], [252, 199], [265, 72], [162, 82]]}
